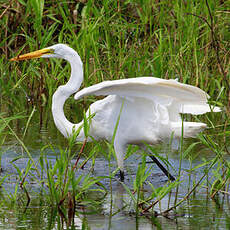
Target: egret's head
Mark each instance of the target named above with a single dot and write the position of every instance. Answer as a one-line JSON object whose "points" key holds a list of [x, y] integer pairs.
{"points": [[55, 51]]}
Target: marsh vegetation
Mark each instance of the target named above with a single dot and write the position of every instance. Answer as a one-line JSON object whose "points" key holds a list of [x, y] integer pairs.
{"points": [[42, 181]]}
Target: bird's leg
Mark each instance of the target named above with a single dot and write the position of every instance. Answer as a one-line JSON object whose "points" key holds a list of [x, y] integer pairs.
{"points": [[119, 150], [165, 171], [122, 175]]}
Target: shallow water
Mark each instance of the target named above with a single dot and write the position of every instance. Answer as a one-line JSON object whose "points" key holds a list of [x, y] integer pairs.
{"points": [[117, 210], [199, 212]]}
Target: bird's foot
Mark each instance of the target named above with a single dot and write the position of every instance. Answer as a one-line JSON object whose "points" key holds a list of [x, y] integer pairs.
{"points": [[122, 176]]}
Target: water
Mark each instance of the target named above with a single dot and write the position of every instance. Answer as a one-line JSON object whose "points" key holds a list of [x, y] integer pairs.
{"points": [[116, 210]]}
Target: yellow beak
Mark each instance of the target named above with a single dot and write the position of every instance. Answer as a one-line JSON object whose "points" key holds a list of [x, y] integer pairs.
{"points": [[35, 54]]}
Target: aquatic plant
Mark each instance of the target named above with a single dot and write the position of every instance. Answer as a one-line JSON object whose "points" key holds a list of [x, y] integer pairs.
{"points": [[116, 39]]}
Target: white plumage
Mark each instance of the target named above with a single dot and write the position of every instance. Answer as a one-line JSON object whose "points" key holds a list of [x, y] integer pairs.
{"points": [[147, 109]]}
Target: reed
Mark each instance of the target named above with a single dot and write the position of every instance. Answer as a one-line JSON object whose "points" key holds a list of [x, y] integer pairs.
{"points": [[188, 40]]}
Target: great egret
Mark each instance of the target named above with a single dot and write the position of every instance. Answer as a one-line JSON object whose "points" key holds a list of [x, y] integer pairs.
{"points": [[146, 109]]}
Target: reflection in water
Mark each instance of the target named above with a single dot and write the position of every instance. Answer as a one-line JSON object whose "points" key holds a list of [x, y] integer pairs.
{"points": [[117, 210]]}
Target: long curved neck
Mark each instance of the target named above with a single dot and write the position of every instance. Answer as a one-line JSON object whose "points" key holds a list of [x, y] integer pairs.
{"points": [[63, 93]]}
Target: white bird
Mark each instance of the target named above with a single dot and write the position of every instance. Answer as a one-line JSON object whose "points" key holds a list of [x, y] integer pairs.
{"points": [[145, 109]]}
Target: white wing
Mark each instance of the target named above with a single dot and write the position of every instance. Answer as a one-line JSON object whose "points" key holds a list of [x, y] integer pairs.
{"points": [[189, 99]]}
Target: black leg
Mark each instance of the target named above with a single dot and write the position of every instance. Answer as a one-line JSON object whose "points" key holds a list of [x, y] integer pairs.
{"points": [[165, 171], [122, 176]]}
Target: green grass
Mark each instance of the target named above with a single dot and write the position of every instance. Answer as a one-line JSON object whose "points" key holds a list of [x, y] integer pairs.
{"points": [[188, 40]]}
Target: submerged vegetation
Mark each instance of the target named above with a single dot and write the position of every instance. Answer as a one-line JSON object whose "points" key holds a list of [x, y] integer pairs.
{"points": [[187, 40]]}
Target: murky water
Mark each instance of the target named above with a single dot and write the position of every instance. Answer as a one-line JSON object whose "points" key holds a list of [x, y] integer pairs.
{"points": [[117, 210]]}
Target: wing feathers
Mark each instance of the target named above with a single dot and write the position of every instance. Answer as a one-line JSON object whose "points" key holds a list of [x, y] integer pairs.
{"points": [[199, 109], [159, 90], [145, 87]]}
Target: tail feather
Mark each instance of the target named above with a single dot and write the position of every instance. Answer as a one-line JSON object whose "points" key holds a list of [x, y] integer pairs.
{"points": [[190, 129]]}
